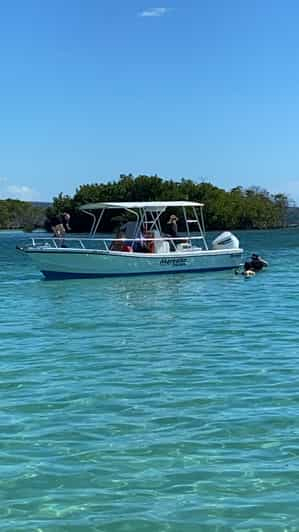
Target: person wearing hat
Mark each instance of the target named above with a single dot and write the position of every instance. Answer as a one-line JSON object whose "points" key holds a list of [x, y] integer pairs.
{"points": [[172, 225], [172, 230]]}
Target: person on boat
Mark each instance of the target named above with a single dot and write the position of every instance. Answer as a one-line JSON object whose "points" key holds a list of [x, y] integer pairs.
{"points": [[60, 224], [57, 226], [172, 225], [172, 230], [120, 244], [139, 244], [66, 221], [119, 237], [136, 237]]}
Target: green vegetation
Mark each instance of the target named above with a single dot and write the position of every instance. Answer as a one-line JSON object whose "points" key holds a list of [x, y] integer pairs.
{"points": [[16, 214], [293, 217], [238, 208]]}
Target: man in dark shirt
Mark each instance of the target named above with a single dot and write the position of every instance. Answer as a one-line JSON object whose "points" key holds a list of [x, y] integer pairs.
{"points": [[60, 224], [172, 225]]}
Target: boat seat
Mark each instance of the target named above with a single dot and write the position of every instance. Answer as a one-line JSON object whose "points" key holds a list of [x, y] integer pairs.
{"points": [[162, 246]]}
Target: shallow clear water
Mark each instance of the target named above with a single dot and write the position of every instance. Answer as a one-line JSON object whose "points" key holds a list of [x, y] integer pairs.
{"points": [[165, 403]]}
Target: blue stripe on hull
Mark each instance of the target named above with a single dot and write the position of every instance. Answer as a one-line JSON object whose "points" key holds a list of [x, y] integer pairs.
{"points": [[67, 275]]}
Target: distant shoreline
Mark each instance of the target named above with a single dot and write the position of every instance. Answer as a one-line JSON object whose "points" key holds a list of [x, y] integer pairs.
{"points": [[41, 230]]}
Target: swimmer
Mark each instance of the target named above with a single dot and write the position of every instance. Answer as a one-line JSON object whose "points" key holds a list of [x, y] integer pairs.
{"points": [[248, 273], [257, 263], [253, 265]]}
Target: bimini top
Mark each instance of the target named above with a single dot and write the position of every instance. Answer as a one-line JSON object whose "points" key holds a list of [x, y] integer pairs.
{"points": [[154, 205]]}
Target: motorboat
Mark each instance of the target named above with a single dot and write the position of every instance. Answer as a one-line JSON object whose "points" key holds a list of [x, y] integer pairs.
{"points": [[143, 244]]}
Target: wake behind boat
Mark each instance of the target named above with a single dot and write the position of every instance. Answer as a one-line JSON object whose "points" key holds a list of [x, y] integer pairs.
{"points": [[141, 246]]}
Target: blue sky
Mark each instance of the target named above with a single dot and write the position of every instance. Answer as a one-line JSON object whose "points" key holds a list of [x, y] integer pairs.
{"points": [[200, 89]]}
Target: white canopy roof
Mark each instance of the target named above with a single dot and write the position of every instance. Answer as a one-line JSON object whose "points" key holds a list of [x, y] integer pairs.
{"points": [[155, 205]]}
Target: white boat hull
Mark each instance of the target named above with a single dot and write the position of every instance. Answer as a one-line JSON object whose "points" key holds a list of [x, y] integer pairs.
{"points": [[63, 263]]}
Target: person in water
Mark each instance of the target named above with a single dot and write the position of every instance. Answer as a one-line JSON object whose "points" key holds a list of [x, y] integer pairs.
{"points": [[255, 263]]}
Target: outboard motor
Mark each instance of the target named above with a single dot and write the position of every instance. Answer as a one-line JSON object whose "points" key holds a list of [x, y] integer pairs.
{"points": [[225, 240]]}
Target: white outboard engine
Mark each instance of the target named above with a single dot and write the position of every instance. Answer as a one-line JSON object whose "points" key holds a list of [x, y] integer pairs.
{"points": [[225, 240]]}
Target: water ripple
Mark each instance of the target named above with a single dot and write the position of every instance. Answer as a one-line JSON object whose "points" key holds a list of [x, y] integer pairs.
{"points": [[156, 404]]}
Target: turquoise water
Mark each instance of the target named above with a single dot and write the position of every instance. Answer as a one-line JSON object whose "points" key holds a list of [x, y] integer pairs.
{"points": [[153, 403]]}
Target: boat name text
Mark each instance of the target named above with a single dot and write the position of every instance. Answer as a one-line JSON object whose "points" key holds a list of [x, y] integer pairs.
{"points": [[173, 262]]}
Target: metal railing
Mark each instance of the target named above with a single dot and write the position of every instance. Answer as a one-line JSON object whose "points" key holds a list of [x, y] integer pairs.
{"points": [[107, 244]]}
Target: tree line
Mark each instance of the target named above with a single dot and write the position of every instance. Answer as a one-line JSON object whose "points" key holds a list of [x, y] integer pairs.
{"points": [[17, 214], [239, 208]]}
